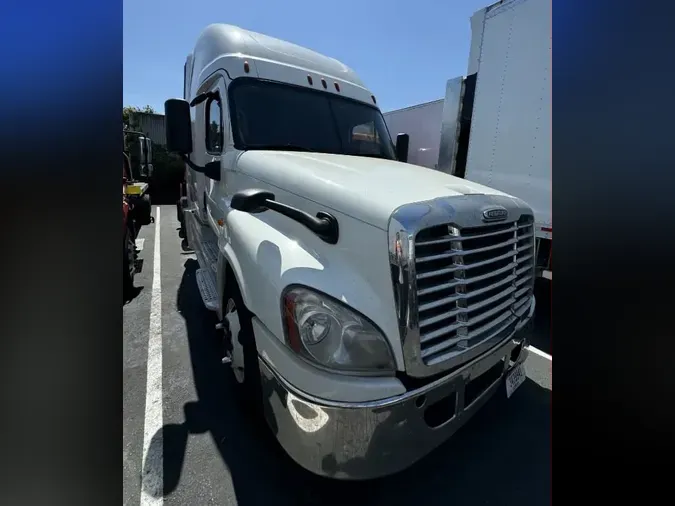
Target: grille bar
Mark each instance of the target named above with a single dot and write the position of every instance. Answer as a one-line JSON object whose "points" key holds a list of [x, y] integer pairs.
{"points": [[439, 272], [454, 253], [477, 264], [521, 306], [523, 270], [436, 358], [490, 300], [443, 345], [481, 330], [487, 314], [447, 300], [440, 332], [482, 277], [461, 238], [524, 279], [472, 283]]}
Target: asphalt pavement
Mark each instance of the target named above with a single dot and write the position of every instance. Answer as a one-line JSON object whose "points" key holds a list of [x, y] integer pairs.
{"points": [[206, 451]]}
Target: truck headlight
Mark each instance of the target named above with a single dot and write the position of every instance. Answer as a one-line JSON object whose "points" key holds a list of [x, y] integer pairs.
{"points": [[332, 335]]}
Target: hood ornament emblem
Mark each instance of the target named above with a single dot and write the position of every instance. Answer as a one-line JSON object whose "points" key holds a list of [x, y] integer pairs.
{"points": [[495, 214]]}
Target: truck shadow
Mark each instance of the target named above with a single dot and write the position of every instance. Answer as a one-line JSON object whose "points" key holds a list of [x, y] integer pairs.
{"points": [[130, 295], [502, 456]]}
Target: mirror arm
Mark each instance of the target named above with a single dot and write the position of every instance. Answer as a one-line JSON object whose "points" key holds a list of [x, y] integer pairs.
{"points": [[203, 170], [191, 164], [255, 201], [205, 96], [323, 225]]}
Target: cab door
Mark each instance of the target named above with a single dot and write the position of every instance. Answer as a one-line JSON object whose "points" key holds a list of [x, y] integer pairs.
{"points": [[218, 144]]}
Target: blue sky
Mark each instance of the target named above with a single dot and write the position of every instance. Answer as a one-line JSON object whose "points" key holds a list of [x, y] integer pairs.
{"points": [[404, 51]]}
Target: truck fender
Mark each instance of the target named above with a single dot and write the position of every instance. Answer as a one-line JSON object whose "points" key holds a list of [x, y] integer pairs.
{"points": [[264, 262], [228, 265]]}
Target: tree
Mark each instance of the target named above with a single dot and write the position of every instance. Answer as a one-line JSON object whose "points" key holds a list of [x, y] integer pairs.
{"points": [[128, 112], [214, 135]]}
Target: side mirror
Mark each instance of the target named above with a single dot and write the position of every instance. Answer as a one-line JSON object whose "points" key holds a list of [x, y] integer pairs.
{"points": [[251, 200], [212, 170], [145, 157], [148, 150], [402, 143], [178, 126], [140, 144], [148, 155]]}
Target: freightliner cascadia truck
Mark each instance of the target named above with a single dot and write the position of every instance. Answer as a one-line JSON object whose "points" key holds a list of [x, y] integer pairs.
{"points": [[368, 307]]}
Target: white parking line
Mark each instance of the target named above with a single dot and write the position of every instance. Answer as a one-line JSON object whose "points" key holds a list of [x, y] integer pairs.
{"points": [[540, 353], [152, 484]]}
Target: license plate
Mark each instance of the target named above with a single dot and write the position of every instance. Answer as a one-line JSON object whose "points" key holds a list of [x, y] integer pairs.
{"points": [[514, 379]]}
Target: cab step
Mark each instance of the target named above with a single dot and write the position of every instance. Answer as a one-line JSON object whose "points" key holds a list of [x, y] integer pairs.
{"points": [[207, 255], [206, 282], [203, 242]]}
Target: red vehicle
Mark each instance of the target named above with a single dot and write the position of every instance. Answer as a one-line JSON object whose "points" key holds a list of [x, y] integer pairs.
{"points": [[129, 233], [136, 207]]}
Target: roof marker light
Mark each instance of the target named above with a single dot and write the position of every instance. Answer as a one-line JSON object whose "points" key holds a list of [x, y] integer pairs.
{"points": [[309, 80], [373, 97], [323, 83], [337, 87], [246, 67]]}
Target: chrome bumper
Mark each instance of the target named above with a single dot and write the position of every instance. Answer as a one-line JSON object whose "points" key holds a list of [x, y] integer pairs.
{"points": [[372, 439]]}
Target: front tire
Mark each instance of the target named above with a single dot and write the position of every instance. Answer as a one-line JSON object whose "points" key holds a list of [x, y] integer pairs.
{"points": [[179, 216], [245, 370]]}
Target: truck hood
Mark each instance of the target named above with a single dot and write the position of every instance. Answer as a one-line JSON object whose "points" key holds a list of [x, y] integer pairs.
{"points": [[368, 189]]}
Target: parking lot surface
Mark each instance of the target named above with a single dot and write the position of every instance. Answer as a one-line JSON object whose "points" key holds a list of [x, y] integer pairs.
{"points": [[186, 442]]}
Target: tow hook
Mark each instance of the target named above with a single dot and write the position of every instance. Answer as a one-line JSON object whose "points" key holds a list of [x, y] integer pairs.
{"points": [[227, 342]]}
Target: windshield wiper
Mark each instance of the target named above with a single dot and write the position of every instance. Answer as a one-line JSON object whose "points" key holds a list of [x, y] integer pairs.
{"points": [[279, 147]]}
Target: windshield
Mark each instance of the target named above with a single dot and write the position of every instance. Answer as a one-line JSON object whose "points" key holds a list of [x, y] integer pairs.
{"points": [[267, 115]]}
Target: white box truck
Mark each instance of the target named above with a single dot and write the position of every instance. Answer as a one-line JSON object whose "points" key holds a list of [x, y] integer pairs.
{"points": [[494, 126], [368, 307]]}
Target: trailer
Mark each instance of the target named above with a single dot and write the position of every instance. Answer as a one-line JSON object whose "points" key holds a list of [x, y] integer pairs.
{"points": [[494, 125], [423, 120]]}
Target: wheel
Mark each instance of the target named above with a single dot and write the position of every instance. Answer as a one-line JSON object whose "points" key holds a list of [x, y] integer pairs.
{"points": [[244, 354], [128, 262], [143, 210], [180, 205]]}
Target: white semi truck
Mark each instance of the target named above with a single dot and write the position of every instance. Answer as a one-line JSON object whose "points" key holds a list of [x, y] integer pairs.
{"points": [[494, 126], [368, 307]]}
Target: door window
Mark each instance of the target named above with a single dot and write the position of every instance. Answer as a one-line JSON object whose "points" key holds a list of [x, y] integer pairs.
{"points": [[214, 126]]}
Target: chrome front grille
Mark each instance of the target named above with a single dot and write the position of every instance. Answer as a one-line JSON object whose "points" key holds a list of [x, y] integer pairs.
{"points": [[471, 283]]}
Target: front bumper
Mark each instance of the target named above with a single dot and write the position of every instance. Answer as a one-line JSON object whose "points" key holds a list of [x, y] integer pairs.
{"points": [[372, 439]]}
